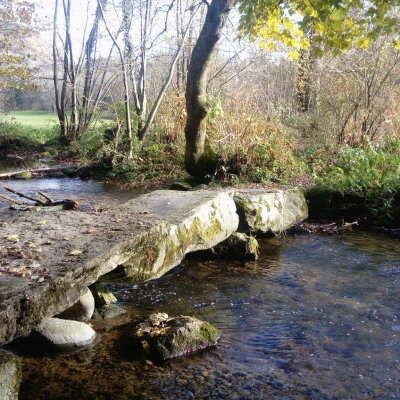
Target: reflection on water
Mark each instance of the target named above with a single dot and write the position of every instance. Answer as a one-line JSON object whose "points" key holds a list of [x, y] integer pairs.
{"points": [[315, 318], [88, 193]]}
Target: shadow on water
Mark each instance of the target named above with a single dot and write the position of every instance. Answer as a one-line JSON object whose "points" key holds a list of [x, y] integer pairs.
{"points": [[315, 318]]}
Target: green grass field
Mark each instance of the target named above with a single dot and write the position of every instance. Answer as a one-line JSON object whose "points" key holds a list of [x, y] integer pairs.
{"points": [[35, 119]]}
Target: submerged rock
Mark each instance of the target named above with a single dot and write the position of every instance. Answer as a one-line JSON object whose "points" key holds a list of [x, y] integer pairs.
{"points": [[63, 334], [108, 311], [82, 310], [163, 337], [10, 376]]}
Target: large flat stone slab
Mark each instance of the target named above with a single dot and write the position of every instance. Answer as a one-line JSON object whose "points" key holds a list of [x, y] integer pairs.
{"points": [[263, 210], [49, 259]]}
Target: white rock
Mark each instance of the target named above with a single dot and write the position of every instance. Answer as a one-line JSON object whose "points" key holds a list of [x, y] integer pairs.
{"points": [[82, 310], [63, 334]]}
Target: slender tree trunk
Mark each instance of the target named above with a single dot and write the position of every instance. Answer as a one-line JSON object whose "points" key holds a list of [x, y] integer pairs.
{"points": [[200, 159], [125, 82], [59, 104], [142, 132]]}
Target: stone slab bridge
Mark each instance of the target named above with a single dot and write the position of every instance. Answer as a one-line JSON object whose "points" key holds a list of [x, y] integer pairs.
{"points": [[48, 259]]}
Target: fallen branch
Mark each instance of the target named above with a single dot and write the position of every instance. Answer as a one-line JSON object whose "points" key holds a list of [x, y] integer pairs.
{"points": [[25, 196], [46, 170], [67, 204], [10, 199]]}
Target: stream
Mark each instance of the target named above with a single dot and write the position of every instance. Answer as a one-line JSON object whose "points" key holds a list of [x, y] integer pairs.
{"points": [[316, 317]]}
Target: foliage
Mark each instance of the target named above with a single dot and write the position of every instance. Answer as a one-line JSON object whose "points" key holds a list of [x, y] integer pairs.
{"points": [[254, 147], [17, 137], [335, 25], [16, 25], [372, 174]]}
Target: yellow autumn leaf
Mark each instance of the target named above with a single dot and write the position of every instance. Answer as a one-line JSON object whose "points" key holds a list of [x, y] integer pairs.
{"points": [[13, 238], [42, 222], [75, 252]]}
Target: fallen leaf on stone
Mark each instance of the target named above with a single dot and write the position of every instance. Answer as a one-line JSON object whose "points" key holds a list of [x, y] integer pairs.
{"points": [[41, 279], [49, 242], [90, 231], [13, 238], [75, 252], [43, 222]]}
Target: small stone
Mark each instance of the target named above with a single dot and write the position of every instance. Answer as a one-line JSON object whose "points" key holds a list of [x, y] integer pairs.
{"points": [[222, 393], [107, 311]]}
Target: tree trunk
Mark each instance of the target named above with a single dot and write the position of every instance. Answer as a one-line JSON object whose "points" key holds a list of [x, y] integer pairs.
{"points": [[200, 160]]}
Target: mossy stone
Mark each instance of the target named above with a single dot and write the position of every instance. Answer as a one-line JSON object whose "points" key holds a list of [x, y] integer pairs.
{"points": [[70, 171], [10, 375], [163, 337], [23, 175], [51, 151]]}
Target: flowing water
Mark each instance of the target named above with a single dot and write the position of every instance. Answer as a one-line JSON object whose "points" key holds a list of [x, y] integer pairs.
{"points": [[315, 317]]}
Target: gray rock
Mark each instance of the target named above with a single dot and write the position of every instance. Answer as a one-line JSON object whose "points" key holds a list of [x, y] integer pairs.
{"points": [[270, 210], [63, 334], [102, 296], [195, 221], [163, 337], [238, 246], [70, 171], [82, 310], [108, 311], [10, 376]]}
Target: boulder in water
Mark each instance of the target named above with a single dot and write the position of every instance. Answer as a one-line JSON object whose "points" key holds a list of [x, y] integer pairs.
{"points": [[163, 337], [63, 334], [82, 310], [10, 376]]}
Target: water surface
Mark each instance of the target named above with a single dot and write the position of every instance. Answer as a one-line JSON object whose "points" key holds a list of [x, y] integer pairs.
{"points": [[315, 318]]}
